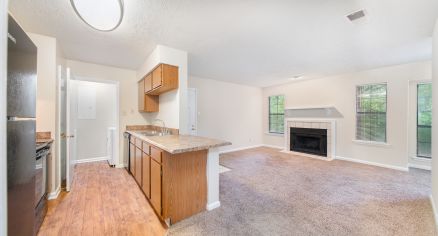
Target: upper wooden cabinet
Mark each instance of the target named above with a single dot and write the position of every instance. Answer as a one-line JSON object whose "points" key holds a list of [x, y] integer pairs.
{"points": [[161, 79], [146, 103]]}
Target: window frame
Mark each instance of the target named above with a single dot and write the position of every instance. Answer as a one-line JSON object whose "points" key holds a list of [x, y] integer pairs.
{"points": [[269, 115], [416, 121], [362, 141]]}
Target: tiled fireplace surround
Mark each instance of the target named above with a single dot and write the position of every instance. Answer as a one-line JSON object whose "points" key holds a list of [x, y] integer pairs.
{"points": [[328, 124]]}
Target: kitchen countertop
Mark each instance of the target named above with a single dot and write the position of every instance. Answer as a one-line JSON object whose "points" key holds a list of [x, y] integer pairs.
{"points": [[180, 143]]}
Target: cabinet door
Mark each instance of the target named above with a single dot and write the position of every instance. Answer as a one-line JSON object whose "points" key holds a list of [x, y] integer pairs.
{"points": [[138, 167], [146, 175], [141, 95], [132, 158], [156, 186], [148, 83], [157, 78]]}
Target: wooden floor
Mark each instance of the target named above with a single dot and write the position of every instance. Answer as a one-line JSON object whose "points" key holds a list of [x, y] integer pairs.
{"points": [[103, 201]]}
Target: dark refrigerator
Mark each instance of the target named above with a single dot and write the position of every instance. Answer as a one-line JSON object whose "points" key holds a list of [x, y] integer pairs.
{"points": [[21, 103]]}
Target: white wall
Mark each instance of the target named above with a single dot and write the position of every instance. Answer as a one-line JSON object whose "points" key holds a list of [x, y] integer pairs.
{"points": [[3, 155], [172, 108], [46, 104], [435, 122], [92, 133], [127, 79], [228, 111], [340, 92]]}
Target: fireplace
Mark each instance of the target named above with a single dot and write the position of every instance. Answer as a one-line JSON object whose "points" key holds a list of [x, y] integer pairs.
{"points": [[307, 140]]}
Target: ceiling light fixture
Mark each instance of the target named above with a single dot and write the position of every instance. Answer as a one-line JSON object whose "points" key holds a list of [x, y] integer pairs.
{"points": [[102, 15]]}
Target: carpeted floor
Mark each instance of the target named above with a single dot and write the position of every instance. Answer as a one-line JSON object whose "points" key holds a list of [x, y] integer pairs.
{"points": [[271, 193]]}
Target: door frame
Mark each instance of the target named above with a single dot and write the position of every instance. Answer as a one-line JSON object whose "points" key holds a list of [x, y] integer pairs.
{"points": [[119, 163], [3, 94], [413, 160], [195, 90]]}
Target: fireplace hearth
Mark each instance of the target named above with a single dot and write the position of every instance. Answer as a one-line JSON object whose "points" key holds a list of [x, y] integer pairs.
{"points": [[309, 140]]}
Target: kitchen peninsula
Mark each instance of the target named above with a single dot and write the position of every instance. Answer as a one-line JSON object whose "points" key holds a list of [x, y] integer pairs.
{"points": [[178, 174]]}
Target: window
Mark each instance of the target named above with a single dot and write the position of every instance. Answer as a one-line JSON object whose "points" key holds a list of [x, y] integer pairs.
{"points": [[276, 114], [424, 120], [371, 113]]}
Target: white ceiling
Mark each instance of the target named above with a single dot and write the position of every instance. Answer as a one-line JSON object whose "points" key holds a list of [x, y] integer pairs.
{"points": [[250, 42]]}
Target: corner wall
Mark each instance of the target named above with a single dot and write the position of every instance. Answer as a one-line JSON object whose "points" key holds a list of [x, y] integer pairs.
{"points": [[339, 91], [46, 104], [435, 123], [228, 111], [173, 104]]}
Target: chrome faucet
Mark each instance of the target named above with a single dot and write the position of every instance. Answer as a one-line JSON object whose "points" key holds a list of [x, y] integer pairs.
{"points": [[164, 130]]}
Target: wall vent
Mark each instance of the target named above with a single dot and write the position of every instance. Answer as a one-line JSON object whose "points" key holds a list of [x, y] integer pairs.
{"points": [[356, 15]]}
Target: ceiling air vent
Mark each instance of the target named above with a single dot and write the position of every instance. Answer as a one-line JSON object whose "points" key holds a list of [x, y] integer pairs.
{"points": [[356, 15]]}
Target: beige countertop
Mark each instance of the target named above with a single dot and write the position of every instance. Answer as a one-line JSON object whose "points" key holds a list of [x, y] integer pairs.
{"points": [[180, 143]]}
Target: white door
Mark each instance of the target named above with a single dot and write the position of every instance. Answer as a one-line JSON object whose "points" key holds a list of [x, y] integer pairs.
{"points": [[68, 131], [193, 111]]}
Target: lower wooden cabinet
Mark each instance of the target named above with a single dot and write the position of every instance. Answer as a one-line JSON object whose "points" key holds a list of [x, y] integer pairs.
{"points": [[156, 186], [138, 165], [132, 157], [146, 183]]}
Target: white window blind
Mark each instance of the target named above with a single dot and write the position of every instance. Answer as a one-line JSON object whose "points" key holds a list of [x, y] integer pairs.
{"points": [[371, 112]]}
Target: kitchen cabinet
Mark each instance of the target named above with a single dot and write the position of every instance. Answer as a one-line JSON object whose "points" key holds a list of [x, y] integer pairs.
{"points": [[163, 78], [146, 103], [147, 83], [156, 186], [174, 184], [146, 171], [132, 156], [138, 165]]}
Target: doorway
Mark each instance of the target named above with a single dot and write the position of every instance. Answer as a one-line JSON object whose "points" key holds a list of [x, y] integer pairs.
{"points": [[91, 123], [192, 104]]}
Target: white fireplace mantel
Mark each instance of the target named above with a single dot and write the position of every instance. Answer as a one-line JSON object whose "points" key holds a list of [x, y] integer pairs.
{"points": [[316, 123]]}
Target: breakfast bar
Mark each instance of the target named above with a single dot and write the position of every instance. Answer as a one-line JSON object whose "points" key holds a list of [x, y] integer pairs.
{"points": [[178, 174]]}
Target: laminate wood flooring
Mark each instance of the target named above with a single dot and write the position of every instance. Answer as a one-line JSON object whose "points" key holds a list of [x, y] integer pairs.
{"points": [[103, 201]]}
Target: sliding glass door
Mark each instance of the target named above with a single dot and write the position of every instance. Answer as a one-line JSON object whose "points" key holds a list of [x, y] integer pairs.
{"points": [[424, 120]]}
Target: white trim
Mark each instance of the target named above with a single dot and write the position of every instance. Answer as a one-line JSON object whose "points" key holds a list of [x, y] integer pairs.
{"points": [[55, 194], [373, 163], [3, 154], [240, 149], [420, 163], [120, 166], [272, 146], [434, 209], [371, 143], [417, 166], [213, 205], [274, 134], [94, 159], [310, 107]]}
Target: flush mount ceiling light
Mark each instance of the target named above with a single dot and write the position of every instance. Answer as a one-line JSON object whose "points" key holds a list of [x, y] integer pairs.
{"points": [[102, 15]]}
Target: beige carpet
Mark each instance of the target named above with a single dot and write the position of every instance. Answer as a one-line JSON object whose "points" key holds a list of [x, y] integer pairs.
{"points": [[271, 193]]}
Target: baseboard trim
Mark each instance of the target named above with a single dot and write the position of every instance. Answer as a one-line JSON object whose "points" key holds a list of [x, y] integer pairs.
{"points": [[120, 166], [213, 205], [406, 169], [55, 194], [434, 209], [240, 149], [250, 147], [91, 160], [423, 167]]}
